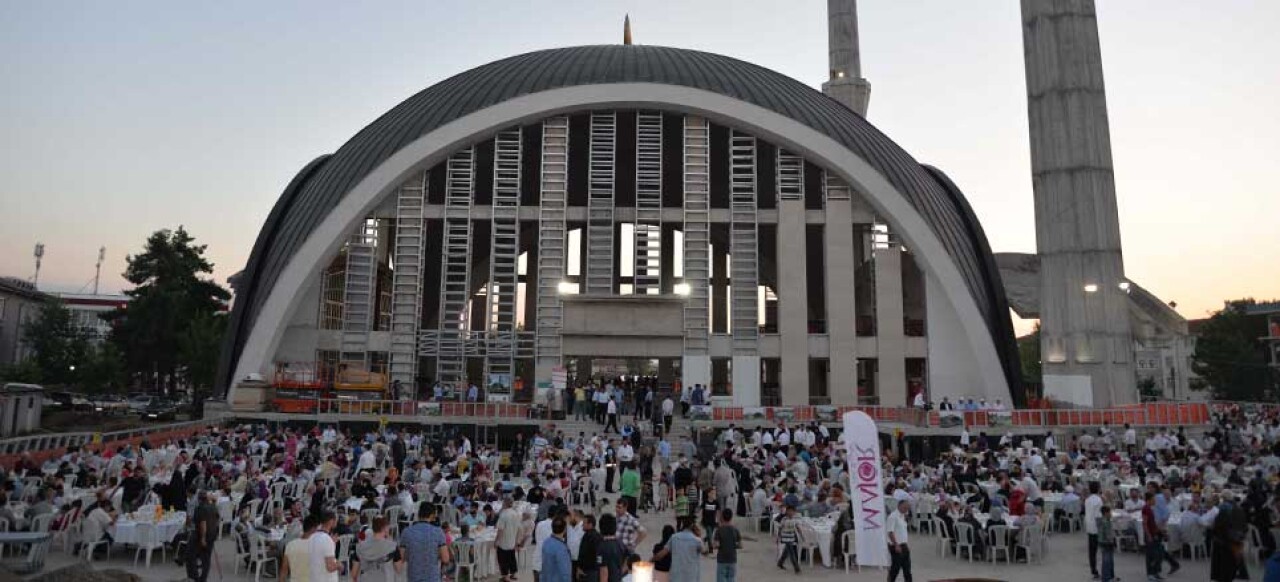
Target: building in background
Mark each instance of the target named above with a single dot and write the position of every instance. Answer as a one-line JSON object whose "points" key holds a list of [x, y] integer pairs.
{"points": [[1162, 345], [667, 211], [20, 303], [86, 311]]}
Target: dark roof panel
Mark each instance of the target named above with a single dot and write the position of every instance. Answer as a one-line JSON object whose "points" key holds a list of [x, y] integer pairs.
{"points": [[534, 72]]}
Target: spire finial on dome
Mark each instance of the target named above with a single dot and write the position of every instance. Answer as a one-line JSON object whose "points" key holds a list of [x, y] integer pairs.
{"points": [[626, 29]]}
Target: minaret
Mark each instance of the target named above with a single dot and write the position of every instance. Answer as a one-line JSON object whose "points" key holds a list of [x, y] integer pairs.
{"points": [[1085, 340], [845, 84]]}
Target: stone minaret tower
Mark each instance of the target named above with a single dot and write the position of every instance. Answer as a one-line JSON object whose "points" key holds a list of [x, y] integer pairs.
{"points": [[846, 84], [1085, 340]]}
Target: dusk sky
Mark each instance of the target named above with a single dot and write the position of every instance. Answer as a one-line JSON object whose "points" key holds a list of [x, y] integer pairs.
{"points": [[120, 118]]}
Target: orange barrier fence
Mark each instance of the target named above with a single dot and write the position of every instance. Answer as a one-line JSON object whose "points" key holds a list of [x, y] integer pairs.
{"points": [[43, 451], [1148, 414]]}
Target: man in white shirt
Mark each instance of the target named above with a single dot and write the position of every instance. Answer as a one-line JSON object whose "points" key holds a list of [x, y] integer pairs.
{"points": [[507, 540], [1092, 511], [611, 420], [541, 532], [899, 553], [322, 565], [368, 461], [1130, 439], [668, 410], [625, 453], [964, 438], [919, 401], [767, 438]]}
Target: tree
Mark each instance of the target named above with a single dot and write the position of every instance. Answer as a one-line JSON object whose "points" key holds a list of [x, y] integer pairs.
{"points": [[1230, 358], [1147, 390], [169, 297], [1029, 355], [60, 346], [104, 370], [198, 350]]}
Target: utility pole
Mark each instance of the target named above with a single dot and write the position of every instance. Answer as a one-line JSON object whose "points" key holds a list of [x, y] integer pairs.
{"points": [[97, 270], [39, 254]]}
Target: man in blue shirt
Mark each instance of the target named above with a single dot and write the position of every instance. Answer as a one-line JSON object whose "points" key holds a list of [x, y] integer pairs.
{"points": [[424, 546], [557, 563]]}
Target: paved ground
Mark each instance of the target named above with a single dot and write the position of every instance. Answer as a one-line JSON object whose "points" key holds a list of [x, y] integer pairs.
{"points": [[1065, 561]]}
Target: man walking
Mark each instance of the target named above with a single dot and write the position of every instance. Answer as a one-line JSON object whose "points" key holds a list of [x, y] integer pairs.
{"points": [[424, 546], [1092, 511], [727, 541], [1151, 532], [611, 415], [557, 563], [507, 539], [204, 534], [899, 553]]}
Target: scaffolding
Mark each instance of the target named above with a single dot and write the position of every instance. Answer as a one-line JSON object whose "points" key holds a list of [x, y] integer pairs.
{"points": [[551, 238], [504, 254], [406, 280], [647, 274], [697, 258], [455, 277], [743, 245], [790, 176], [599, 268], [357, 293]]}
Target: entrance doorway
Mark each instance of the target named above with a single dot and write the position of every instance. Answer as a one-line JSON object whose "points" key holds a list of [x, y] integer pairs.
{"points": [[662, 371]]}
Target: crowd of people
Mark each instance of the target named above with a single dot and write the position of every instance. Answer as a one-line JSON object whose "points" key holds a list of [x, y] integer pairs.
{"points": [[322, 501]]}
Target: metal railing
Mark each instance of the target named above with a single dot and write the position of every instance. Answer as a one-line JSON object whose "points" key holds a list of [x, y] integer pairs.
{"points": [[44, 446]]}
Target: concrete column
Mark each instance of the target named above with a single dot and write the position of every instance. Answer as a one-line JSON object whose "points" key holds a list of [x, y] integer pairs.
{"points": [[891, 342], [841, 300], [1085, 333], [793, 302], [746, 380]]}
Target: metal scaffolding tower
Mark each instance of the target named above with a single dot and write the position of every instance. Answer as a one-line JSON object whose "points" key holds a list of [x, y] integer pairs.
{"points": [[455, 274], [551, 239], [743, 245], [648, 228], [504, 254], [697, 257], [357, 296], [406, 280], [790, 176], [599, 267]]}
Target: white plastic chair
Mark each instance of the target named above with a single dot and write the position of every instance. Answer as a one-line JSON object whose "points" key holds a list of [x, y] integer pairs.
{"points": [[464, 555], [344, 543], [999, 542], [148, 540], [965, 540], [848, 539], [808, 542], [258, 555], [944, 536]]}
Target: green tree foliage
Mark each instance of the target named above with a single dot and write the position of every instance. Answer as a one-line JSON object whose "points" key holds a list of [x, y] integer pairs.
{"points": [[1029, 354], [1230, 358], [60, 347], [169, 298], [1148, 391], [103, 371], [199, 346]]}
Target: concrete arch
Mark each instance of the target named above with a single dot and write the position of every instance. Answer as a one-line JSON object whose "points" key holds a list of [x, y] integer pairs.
{"points": [[433, 147]]}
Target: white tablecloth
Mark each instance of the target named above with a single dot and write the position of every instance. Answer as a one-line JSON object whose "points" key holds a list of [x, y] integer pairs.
{"points": [[125, 530]]}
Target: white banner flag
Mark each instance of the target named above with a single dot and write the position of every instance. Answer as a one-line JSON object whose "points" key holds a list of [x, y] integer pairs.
{"points": [[866, 489]]}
